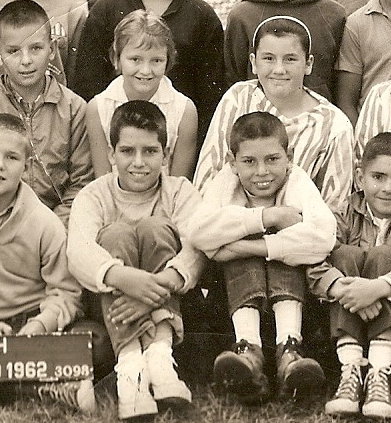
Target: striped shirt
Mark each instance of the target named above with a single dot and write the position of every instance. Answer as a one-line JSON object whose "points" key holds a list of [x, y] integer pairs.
{"points": [[375, 115], [322, 140]]}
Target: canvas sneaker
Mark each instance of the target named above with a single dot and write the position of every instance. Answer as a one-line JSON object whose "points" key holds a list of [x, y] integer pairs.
{"points": [[349, 393], [377, 403]]}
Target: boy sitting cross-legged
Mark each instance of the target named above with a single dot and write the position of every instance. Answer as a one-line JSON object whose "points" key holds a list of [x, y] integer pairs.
{"points": [[128, 233], [37, 295], [357, 276], [263, 217]]}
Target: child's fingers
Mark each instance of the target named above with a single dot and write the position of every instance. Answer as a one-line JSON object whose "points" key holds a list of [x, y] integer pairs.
{"points": [[115, 311]]}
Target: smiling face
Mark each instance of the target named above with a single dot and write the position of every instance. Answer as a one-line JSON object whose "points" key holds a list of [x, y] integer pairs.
{"points": [[261, 165], [139, 158], [280, 64], [13, 152], [375, 181], [25, 52], [142, 69]]}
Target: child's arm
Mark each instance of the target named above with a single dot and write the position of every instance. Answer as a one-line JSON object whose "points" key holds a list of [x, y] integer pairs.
{"points": [[62, 301], [184, 156], [98, 143], [78, 159], [348, 94], [335, 176]]}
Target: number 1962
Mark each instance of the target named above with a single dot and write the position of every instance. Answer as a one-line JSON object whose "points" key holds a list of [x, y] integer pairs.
{"points": [[28, 370]]}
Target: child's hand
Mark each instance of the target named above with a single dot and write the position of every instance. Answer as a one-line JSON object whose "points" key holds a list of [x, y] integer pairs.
{"points": [[34, 327], [126, 310], [5, 329], [337, 290], [142, 286], [281, 217], [370, 312], [361, 292]]}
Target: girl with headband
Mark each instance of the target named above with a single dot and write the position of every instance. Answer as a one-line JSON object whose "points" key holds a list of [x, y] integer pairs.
{"points": [[320, 135]]}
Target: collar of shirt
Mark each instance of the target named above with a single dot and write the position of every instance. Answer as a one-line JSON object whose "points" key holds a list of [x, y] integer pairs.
{"points": [[4, 214], [374, 6]]}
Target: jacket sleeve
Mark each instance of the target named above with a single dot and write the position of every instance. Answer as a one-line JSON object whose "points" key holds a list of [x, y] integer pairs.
{"points": [[311, 240], [93, 67], [334, 179], [217, 222], [61, 304], [236, 48], [88, 261], [80, 170], [215, 147], [189, 261], [322, 275]]}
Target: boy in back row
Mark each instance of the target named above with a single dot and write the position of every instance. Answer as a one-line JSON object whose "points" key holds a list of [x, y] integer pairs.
{"points": [[267, 221], [53, 115]]}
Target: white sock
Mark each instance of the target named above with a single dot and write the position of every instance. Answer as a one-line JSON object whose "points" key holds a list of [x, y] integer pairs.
{"points": [[349, 350], [130, 360], [288, 316], [379, 354], [163, 333], [247, 324]]}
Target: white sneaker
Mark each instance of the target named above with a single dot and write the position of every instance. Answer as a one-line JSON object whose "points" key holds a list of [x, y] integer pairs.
{"points": [[377, 402], [134, 396], [348, 395], [168, 389]]}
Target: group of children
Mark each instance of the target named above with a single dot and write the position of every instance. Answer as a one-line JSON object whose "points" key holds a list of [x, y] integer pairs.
{"points": [[277, 161]]}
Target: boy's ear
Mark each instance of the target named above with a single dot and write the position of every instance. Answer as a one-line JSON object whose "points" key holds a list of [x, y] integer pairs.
{"points": [[359, 175], [52, 50], [309, 65], [253, 64], [111, 156], [232, 162], [166, 155]]}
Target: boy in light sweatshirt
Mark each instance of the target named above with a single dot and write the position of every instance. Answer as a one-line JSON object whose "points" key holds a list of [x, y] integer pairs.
{"points": [[267, 221]]}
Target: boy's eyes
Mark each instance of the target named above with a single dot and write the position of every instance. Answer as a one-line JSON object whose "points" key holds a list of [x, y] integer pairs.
{"points": [[378, 177]]}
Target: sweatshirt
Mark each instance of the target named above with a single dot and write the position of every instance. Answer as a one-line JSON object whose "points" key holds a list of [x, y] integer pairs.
{"points": [[224, 216], [325, 20], [103, 202], [33, 264]]}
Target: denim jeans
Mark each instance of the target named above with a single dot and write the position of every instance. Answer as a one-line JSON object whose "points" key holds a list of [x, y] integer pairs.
{"points": [[251, 280], [147, 245], [354, 261]]}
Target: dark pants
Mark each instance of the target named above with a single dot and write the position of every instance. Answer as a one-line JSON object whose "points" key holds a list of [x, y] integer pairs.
{"points": [[251, 280], [354, 261], [148, 245]]}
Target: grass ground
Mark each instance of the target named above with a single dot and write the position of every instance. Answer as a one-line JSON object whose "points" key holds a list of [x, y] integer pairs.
{"points": [[207, 407]]}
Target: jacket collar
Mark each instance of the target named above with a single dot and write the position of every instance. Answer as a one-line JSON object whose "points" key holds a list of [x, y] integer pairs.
{"points": [[359, 204], [374, 6]]}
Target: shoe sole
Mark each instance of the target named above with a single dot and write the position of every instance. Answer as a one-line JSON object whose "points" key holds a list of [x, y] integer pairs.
{"points": [[305, 376], [233, 374], [346, 407], [173, 403], [373, 410]]}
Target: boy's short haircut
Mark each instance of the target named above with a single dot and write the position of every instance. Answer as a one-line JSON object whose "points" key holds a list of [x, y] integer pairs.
{"points": [[15, 124], [138, 114], [19, 13], [148, 30], [380, 145], [256, 125]]}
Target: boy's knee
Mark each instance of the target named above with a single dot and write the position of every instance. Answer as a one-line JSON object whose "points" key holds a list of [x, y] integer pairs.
{"points": [[111, 236], [155, 227]]}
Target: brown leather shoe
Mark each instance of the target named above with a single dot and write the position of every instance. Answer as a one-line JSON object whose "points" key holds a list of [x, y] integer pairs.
{"points": [[297, 376], [241, 370]]}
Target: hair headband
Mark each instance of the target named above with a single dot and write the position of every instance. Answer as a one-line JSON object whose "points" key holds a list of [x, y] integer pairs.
{"points": [[288, 18]]}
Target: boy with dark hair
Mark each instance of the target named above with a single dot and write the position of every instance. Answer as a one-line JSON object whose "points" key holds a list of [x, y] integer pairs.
{"points": [[357, 276], [267, 221], [128, 233], [37, 295], [54, 116]]}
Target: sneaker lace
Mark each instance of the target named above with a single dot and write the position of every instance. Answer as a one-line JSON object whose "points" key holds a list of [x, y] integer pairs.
{"points": [[65, 392], [350, 378], [377, 386]]}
